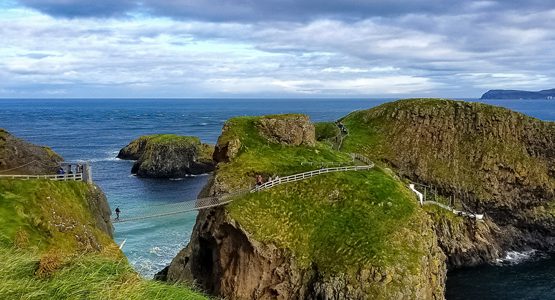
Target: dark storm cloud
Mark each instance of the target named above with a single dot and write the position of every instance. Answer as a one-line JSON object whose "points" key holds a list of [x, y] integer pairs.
{"points": [[81, 8], [272, 10]]}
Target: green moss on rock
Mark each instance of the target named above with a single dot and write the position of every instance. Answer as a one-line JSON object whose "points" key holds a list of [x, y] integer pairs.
{"points": [[492, 160], [168, 156], [354, 235]]}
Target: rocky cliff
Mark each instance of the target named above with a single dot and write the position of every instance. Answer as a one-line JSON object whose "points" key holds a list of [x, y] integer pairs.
{"points": [[489, 159], [42, 160], [168, 156], [357, 235], [55, 240], [22, 158]]}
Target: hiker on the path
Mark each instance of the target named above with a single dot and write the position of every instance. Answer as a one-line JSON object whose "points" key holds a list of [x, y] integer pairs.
{"points": [[117, 213], [259, 180]]}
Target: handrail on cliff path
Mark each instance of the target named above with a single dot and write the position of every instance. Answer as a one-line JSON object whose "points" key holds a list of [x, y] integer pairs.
{"points": [[85, 173], [423, 201], [209, 202]]}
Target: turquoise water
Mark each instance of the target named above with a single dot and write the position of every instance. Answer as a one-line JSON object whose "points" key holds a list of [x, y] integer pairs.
{"points": [[96, 129]]}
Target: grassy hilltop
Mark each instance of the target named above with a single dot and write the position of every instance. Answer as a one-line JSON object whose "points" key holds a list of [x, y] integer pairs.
{"points": [[51, 247], [361, 229]]}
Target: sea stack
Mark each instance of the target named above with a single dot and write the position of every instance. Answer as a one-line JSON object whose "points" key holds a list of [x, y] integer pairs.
{"points": [[168, 156]]}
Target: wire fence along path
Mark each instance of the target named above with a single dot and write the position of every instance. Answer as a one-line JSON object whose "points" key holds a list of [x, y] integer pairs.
{"points": [[423, 201], [209, 202], [83, 172], [306, 175]]}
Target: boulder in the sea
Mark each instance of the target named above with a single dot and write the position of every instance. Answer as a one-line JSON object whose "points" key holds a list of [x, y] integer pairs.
{"points": [[168, 156]]}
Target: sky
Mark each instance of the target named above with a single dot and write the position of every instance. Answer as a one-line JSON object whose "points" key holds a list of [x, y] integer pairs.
{"points": [[274, 48]]}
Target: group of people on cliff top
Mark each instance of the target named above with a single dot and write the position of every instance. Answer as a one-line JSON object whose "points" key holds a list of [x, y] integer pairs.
{"points": [[260, 180], [69, 170]]}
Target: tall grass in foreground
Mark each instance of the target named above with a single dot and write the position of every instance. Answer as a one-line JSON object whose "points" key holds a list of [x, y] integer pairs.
{"points": [[91, 276]]}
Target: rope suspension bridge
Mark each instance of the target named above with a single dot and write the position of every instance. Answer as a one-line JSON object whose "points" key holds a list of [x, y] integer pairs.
{"points": [[220, 200]]}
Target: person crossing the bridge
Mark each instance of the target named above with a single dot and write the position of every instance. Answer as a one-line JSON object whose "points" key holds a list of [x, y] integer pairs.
{"points": [[259, 180], [117, 213]]}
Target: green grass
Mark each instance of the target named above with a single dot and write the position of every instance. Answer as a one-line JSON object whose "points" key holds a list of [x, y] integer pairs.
{"points": [[172, 139], [51, 223], [50, 213], [444, 155], [260, 156], [93, 276], [340, 221], [326, 131]]}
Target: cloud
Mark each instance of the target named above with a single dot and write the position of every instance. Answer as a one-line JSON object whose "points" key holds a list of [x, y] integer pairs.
{"points": [[76, 8], [301, 49], [274, 10]]}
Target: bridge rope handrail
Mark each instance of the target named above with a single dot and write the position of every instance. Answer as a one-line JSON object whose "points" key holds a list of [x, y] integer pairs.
{"points": [[214, 201], [18, 167]]}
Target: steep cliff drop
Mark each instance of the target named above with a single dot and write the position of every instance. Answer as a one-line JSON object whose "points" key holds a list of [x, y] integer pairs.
{"points": [[20, 157], [350, 235], [56, 236], [483, 158]]}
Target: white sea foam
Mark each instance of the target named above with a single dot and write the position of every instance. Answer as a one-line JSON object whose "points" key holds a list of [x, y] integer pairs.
{"points": [[515, 257], [105, 159], [110, 156]]}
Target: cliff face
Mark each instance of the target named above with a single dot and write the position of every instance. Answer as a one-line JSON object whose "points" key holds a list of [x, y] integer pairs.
{"points": [[87, 201], [339, 236], [168, 156], [22, 158], [490, 159], [225, 260]]}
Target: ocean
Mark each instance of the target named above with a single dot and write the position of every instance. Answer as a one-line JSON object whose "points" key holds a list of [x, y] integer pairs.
{"points": [[95, 130]]}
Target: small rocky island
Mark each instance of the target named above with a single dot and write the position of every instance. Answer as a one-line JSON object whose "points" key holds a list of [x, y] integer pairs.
{"points": [[168, 156], [363, 235], [516, 94]]}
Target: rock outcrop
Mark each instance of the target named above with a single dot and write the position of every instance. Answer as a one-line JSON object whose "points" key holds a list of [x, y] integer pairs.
{"points": [[227, 259], [168, 156], [22, 158], [42, 160], [290, 129], [490, 159]]}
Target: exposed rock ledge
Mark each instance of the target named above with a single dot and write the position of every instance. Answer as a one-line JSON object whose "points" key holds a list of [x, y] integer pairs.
{"points": [[223, 260], [168, 156], [34, 159]]}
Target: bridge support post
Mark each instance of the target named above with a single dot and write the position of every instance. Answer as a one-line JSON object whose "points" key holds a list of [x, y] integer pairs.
{"points": [[87, 173]]}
